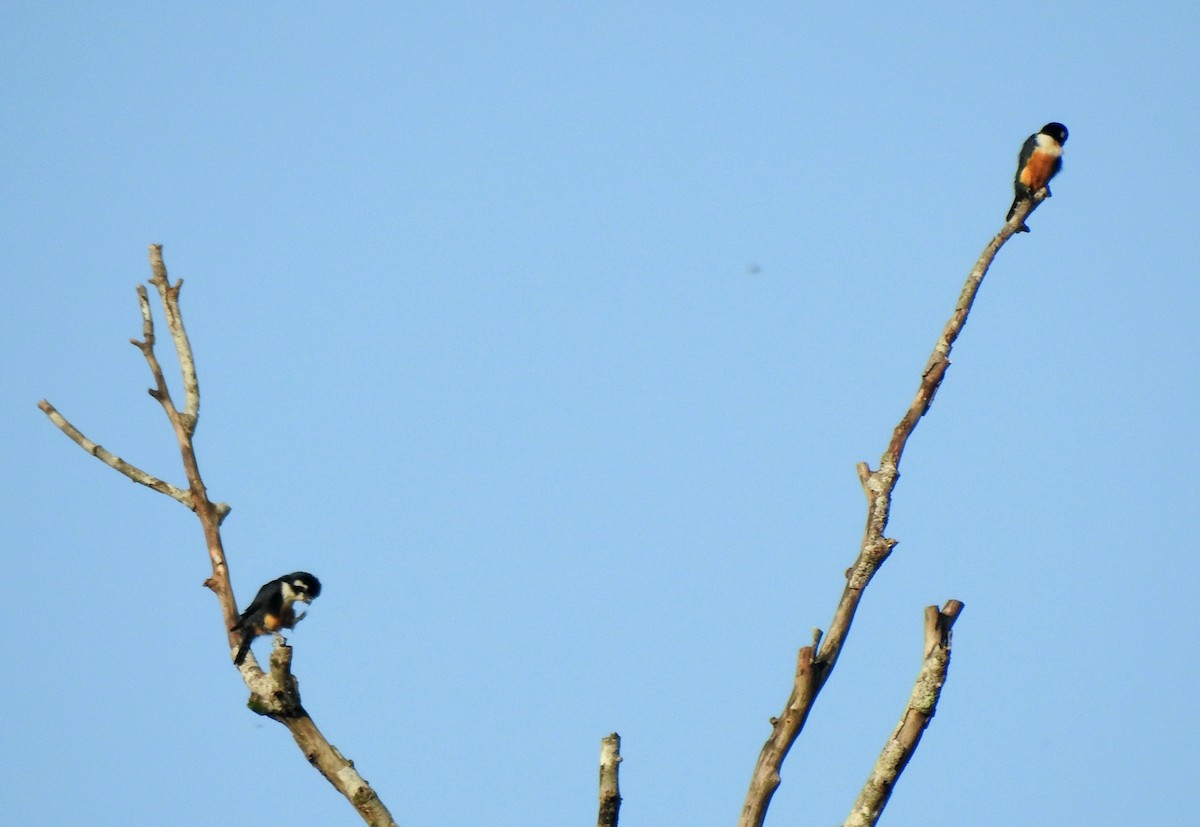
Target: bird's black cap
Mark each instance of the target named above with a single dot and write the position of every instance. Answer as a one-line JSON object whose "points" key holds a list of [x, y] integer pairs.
{"points": [[1056, 131], [303, 581]]}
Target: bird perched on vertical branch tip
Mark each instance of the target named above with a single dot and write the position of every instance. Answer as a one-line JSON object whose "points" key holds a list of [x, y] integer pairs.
{"points": [[1039, 161], [272, 608]]}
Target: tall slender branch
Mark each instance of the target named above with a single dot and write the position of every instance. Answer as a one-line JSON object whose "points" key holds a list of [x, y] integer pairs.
{"points": [[816, 664], [922, 705], [275, 694]]}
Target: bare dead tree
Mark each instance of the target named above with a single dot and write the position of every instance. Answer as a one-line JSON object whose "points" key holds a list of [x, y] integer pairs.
{"points": [[275, 694], [815, 663]]}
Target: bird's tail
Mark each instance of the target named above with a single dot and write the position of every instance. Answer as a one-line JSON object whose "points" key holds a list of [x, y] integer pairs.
{"points": [[247, 636], [1013, 209], [243, 648]]}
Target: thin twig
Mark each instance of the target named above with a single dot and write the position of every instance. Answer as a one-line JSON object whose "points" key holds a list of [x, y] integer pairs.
{"points": [[187, 364], [112, 460], [875, 546], [610, 793], [922, 705]]}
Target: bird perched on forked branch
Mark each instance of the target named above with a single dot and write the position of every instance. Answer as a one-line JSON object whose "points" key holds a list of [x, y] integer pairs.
{"points": [[1039, 161], [272, 608]]}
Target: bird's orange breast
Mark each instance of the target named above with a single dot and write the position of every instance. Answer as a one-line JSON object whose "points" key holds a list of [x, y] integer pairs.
{"points": [[1038, 170]]}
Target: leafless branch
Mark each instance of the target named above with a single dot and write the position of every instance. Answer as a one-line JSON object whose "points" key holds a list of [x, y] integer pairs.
{"points": [[878, 485], [922, 705], [187, 365], [112, 460], [275, 694], [610, 793]]}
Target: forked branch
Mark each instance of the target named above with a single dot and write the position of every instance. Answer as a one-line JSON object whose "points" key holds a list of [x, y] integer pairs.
{"points": [[816, 663], [275, 694]]}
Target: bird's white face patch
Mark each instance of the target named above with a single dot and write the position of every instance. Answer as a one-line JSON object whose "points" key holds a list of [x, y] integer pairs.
{"points": [[289, 593], [1049, 146]]}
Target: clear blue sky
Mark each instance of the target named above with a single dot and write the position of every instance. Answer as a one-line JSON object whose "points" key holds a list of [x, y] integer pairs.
{"points": [[548, 336]]}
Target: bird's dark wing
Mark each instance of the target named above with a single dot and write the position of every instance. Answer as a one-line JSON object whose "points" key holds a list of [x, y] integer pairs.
{"points": [[1027, 149], [257, 604]]}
